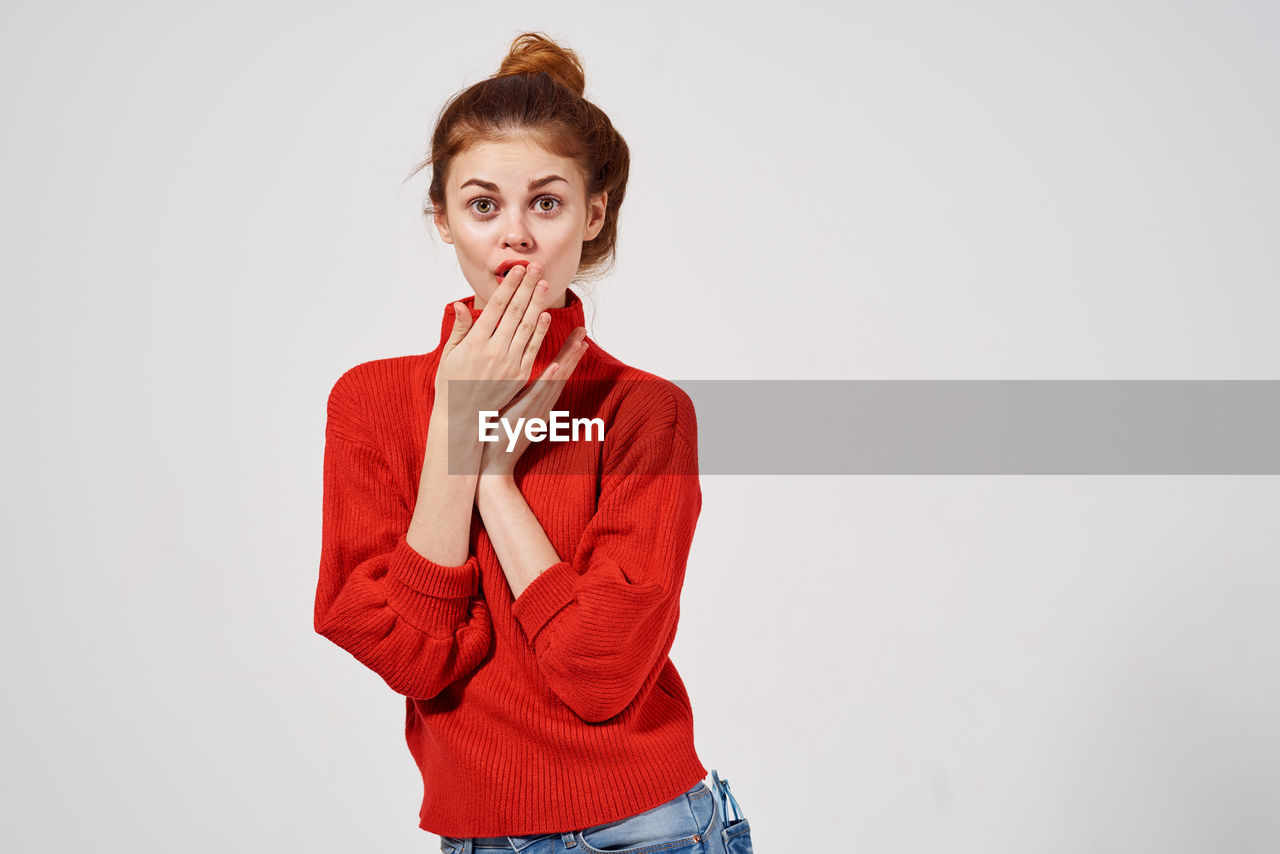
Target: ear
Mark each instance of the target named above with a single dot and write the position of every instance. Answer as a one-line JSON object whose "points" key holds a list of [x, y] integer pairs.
{"points": [[596, 207], [442, 226]]}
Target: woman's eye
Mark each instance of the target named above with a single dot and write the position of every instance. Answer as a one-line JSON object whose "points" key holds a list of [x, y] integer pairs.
{"points": [[543, 205]]}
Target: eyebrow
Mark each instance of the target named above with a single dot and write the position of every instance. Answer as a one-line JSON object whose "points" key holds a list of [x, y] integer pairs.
{"points": [[493, 188]]}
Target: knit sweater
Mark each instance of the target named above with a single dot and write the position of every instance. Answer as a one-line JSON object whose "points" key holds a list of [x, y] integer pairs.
{"points": [[560, 709]]}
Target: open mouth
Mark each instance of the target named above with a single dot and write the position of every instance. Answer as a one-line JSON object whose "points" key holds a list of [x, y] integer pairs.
{"points": [[506, 266]]}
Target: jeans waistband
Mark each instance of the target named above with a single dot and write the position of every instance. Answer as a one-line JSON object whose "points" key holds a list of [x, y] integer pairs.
{"points": [[518, 843]]}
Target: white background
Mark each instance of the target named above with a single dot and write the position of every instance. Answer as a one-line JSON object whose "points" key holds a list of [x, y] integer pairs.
{"points": [[204, 225]]}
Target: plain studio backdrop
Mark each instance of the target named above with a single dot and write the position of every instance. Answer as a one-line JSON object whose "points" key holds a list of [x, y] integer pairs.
{"points": [[205, 224]]}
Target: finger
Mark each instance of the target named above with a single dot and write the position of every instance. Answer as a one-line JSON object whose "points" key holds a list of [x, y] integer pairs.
{"points": [[497, 302], [532, 401], [542, 393], [514, 316], [461, 323], [552, 379], [571, 352], [545, 390], [530, 332], [535, 342]]}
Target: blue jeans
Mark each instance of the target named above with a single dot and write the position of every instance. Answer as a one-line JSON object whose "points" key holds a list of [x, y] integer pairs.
{"points": [[687, 824]]}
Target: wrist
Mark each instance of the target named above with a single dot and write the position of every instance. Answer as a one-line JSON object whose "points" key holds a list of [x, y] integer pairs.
{"points": [[451, 451], [444, 418], [494, 485]]}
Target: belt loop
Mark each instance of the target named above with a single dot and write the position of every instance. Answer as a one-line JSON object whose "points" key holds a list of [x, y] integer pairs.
{"points": [[467, 846], [568, 840]]}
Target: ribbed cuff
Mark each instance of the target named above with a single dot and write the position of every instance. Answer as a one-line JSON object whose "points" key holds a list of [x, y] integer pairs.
{"points": [[434, 598], [545, 596], [427, 577]]}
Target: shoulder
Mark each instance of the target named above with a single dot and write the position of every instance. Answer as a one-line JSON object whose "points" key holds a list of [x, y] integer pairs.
{"points": [[647, 408], [657, 404], [643, 402], [365, 389]]}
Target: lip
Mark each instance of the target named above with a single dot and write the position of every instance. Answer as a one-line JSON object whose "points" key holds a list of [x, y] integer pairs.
{"points": [[505, 266]]}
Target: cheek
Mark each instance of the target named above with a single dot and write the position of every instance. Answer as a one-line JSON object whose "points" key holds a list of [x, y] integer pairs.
{"points": [[567, 246], [472, 245]]}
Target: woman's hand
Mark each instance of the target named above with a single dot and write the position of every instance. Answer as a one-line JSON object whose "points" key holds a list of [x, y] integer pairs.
{"points": [[534, 402], [498, 348]]}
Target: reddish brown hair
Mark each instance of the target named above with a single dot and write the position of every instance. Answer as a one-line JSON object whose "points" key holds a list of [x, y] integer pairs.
{"points": [[538, 91]]}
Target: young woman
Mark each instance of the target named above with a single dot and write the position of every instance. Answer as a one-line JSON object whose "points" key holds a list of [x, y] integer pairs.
{"points": [[523, 594]]}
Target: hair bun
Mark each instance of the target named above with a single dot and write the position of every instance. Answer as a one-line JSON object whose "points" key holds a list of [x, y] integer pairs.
{"points": [[534, 52]]}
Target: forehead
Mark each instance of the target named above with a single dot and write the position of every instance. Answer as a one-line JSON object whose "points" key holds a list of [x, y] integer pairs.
{"points": [[511, 164]]}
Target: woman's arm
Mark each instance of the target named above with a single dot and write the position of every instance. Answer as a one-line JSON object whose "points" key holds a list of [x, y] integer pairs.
{"points": [[497, 350], [602, 619], [440, 528], [417, 623], [517, 536], [397, 587]]}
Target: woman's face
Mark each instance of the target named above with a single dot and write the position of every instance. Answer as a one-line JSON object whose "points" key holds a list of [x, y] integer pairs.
{"points": [[500, 206]]}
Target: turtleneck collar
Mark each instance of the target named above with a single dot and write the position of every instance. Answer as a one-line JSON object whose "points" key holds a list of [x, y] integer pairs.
{"points": [[563, 321]]}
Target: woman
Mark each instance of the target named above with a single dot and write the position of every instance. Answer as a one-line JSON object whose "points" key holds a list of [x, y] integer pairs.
{"points": [[523, 594]]}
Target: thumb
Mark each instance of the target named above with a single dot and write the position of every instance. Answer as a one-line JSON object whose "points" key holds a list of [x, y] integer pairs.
{"points": [[461, 324]]}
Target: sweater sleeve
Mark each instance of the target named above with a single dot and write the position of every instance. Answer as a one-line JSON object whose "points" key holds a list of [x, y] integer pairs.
{"points": [[418, 624], [602, 623]]}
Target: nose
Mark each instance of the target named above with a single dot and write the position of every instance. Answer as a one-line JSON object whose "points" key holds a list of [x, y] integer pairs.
{"points": [[517, 232]]}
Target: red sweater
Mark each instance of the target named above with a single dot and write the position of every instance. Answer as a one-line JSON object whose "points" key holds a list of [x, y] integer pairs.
{"points": [[558, 710]]}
